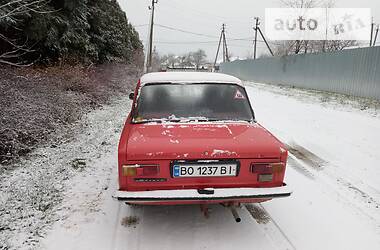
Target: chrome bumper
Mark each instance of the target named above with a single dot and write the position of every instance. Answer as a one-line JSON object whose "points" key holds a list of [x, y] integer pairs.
{"points": [[204, 195]]}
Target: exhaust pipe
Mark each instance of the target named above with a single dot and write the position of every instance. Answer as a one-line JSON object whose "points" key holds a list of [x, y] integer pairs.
{"points": [[235, 214]]}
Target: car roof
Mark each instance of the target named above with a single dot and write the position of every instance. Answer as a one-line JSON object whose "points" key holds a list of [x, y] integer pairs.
{"points": [[188, 77]]}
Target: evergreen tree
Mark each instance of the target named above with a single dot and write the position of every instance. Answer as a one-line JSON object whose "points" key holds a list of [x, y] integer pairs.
{"points": [[80, 30]]}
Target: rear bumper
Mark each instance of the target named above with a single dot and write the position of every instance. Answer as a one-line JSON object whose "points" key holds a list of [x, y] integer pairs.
{"points": [[187, 196]]}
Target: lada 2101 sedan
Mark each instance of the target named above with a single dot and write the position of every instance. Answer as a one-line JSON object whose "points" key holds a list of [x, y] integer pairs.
{"points": [[192, 138]]}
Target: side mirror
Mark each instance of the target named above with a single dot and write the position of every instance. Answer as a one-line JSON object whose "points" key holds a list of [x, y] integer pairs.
{"points": [[132, 96]]}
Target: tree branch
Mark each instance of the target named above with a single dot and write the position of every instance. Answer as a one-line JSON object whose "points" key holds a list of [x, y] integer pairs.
{"points": [[16, 64], [24, 8]]}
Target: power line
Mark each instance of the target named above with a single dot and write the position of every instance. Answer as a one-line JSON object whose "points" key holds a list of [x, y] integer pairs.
{"points": [[203, 42], [241, 39], [191, 42], [183, 31], [244, 39], [207, 43], [141, 25], [194, 33]]}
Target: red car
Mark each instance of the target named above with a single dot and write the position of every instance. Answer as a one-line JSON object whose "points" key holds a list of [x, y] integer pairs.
{"points": [[192, 138]]}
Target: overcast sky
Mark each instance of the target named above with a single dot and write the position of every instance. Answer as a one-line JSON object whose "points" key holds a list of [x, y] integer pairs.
{"points": [[206, 17]]}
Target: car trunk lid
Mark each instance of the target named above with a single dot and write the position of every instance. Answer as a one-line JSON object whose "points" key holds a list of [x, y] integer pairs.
{"points": [[201, 141]]}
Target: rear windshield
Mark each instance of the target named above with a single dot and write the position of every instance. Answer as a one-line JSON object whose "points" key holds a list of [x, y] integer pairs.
{"points": [[181, 102]]}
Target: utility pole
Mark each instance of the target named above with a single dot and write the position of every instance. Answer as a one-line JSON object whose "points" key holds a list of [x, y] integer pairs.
{"points": [[265, 40], [377, 32], [255, 44], [217, 51], [223, 40], [257, 28], [226, 57], [224, 45], [372, 26], [149, 53]]}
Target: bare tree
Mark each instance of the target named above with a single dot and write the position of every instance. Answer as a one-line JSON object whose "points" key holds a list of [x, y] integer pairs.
{"points": [[182, 60], [172, 60], [191, 59], [188, 60], [300, 3], [199, 57], [11, 14]]}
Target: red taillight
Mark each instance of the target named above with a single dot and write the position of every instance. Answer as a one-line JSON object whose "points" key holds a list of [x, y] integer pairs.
{"points": [[265, 171], [261, 169], [150, 170], [267, 168]]}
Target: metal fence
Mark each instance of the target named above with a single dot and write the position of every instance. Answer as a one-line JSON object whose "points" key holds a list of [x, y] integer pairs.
{"points": [[353, 72]]}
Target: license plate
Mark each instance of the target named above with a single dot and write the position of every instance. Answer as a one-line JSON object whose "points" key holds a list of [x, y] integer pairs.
{"points": [[204, 170]]}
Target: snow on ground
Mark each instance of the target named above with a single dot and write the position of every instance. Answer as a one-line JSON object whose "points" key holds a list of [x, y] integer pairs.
{"points": [[336, 197], [76, 172], [332, 169]]}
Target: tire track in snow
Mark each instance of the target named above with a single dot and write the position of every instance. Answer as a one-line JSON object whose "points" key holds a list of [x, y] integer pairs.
{"points": [[307, 156], [299, 167], [359, 192], [270, 226], [308, 167], [260, 215], [299, 154]]}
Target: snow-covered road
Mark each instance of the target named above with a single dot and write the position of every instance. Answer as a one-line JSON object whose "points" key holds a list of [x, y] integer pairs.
{"points": [[333, 170]]}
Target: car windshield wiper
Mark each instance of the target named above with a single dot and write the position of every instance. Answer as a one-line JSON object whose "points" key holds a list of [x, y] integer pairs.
{"points": [[204, 119], [232, 120], [148, 121], [190, 119]]}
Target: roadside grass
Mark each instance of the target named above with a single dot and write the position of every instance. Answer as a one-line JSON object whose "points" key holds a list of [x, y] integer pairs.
{"points": [[35, 102]]}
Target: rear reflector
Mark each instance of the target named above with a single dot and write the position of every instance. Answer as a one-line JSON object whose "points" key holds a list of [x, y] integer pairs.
{"points": [[140, 170], [265, 177]]}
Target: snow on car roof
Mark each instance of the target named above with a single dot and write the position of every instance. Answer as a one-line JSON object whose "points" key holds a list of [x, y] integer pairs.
{"points": [[188, 77]]}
